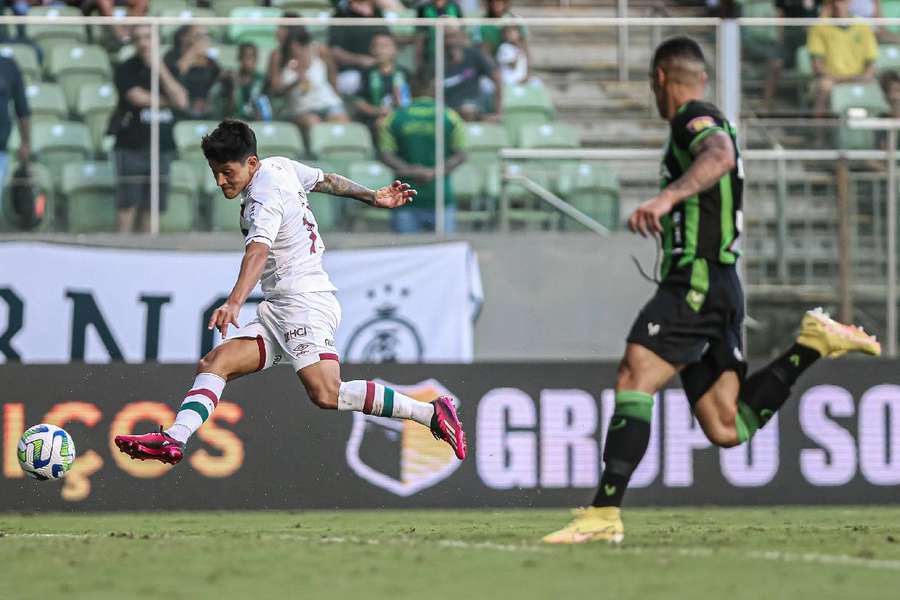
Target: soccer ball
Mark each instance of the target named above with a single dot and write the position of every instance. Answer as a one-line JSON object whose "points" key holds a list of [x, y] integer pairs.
{"points": [[46, 452]]}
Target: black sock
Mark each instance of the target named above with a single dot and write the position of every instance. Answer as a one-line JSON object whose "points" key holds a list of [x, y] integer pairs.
{"points": [[766, 391], [626, 443]]}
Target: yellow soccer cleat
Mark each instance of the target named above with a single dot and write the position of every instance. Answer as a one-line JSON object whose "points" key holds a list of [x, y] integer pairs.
{"points": [[832, 339], [592, 524]]}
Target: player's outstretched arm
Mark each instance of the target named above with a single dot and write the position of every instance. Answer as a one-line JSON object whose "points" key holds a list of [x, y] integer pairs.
{"points": [[252, 266], [713, 158], [392, 196]]}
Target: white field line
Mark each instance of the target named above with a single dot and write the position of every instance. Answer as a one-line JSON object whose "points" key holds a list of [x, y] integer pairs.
{"points": [[772, 556]]}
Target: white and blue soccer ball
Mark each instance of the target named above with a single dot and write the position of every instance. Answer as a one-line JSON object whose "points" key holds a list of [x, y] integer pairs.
{"points": [[46, 452]]}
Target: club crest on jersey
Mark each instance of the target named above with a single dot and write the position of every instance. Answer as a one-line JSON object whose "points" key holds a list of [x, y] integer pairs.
{"points": [[698, 124], [401, 457]]}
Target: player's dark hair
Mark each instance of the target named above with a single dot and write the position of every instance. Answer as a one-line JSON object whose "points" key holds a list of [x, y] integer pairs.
{"points": [[681, 47], [423, 84], [888, 79], [231, 140]]}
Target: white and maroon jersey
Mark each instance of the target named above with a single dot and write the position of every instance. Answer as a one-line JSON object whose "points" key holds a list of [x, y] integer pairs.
{"points": [[275, 211]]}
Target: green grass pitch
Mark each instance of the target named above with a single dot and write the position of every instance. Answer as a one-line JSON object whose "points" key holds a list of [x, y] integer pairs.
{"points": [[728, 554]]}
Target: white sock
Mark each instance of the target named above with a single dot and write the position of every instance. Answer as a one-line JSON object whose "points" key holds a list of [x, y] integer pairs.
{"points": [[198, 405], [375, 399]]}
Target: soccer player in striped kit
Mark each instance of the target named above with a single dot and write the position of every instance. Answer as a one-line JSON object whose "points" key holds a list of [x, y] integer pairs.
{"points": [[297, 321]]}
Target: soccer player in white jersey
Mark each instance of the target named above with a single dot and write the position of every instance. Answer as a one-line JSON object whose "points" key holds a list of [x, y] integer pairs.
{"points": [[296, 322]]}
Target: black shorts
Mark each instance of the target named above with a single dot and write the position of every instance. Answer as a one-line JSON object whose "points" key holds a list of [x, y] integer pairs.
{"points": [[701, 329], [133, 178]]}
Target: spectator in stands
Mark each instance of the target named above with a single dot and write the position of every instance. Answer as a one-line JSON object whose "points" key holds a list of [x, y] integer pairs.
{"points": [[491, 36], [306, 79], [350, 45], [840, 54], [790, 39], [385, 86], [130, 124], [117, 35], [12, 90], [432, 9], [244, 90], [189, 61], [512, 57], [407, 143], [465, 68]]}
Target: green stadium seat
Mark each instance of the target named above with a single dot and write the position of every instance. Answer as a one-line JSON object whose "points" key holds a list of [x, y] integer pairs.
{"points": [[58, 144], [248, 30], [41, 176], [96, 102], [759, 34], [341, 143], [46, 102], [159, 8], [373, 175], [181, 211], [47, 34], [549, 135], [525, 208], [226, 56], [888, 57], [189, 134], [525, 104], [594, 190], [475, 190], [26, 58], [803, 62], [223, 8], [401, 30], [298, 5], [891, 9], [224, 213], [278, 138], [318, 32], [857, 99], [89, 188], [75, 66], [483, 141], [185, 14]]}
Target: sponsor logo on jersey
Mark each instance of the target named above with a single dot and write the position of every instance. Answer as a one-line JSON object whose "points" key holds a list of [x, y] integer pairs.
{"points": [[698, 124], [401, 457], [302, 348], [295, 333]]}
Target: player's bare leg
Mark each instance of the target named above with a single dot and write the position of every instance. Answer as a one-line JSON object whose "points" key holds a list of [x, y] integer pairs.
{"points": [[641, 374], [231, 360], [322, 381], [717, 410]]}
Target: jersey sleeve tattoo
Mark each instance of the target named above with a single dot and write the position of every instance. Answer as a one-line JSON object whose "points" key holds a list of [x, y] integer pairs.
{"points": [[338, 185]]}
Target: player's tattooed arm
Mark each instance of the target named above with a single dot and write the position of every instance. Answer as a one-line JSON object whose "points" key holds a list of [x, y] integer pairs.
{"points": [[714, 156], [338, 185], [390, 196]]}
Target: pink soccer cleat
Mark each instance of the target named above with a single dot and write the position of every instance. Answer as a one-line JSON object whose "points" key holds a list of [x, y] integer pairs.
{"points": [[158, 445], [445, 425]]}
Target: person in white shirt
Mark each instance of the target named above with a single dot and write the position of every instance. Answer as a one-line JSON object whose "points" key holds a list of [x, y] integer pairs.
{"points": [[298, 318]]}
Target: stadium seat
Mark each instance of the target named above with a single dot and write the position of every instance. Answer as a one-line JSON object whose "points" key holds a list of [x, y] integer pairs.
{"points": [[891, 9], [224, 214], [318, 32], [74, 66], [299, 5], [278, 138], [888, 57], [223, 8], [373, 175], [159, 8], [483, 141], [89, 188], [525, 208], [189, 134], [181, 210], [475, 190], [549, 135], [26, 58], [48, 33], [862, 99], [594, 190], [185, 15], [803, 62], [525, 104], [401, 30], [342, 143], [96, 102], [44, 182], [46, 102], [226, 56], [249, 31], [58, 144]]}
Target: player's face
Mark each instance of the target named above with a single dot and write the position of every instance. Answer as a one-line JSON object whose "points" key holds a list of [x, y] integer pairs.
{"points": [[233, 176]]}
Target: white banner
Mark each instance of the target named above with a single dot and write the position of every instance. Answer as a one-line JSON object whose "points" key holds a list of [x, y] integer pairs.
{"points": [[70, 303]]}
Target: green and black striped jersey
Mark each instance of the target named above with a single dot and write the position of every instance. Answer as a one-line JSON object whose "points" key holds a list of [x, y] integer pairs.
{"points": [[707, 225]]}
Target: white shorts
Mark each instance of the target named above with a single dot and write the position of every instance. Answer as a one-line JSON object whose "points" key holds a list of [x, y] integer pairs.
{"points": [[296, 329]]}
